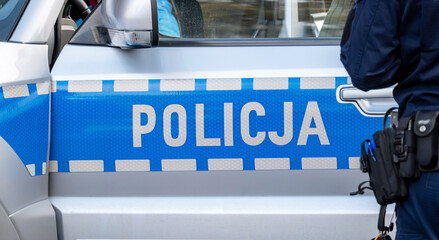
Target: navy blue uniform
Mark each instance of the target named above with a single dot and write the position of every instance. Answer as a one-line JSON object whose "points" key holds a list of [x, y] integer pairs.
{"points": [[397, 42]]}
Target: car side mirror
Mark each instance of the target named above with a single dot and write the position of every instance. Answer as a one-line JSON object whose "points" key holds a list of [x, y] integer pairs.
{"points": [[128, 24], [125, 24]]}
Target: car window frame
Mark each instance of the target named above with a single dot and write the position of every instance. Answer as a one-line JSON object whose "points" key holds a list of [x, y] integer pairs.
{"points": [[261, 42], [248, 42]]}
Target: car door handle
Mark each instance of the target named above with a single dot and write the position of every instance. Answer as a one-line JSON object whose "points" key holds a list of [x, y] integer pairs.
{"points": [[374, 102]]}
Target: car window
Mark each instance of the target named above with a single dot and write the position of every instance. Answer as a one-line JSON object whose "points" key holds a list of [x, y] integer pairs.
{"points": [[10, 11], [241, 19], [219, 19]]}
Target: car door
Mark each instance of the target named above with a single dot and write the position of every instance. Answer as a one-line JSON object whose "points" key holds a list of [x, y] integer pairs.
{"points": [[250, 131], [25, 211]]}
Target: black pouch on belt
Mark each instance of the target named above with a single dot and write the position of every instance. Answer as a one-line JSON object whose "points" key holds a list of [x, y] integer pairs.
{"points": [[388, 186], [405, 149], [426, 128], [379, 161]]}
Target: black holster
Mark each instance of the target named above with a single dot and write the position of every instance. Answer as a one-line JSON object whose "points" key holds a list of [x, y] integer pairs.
{"points": [[427, 131]]}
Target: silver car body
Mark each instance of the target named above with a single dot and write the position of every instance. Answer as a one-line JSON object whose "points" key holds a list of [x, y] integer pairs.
{"points": [[264, 197]]}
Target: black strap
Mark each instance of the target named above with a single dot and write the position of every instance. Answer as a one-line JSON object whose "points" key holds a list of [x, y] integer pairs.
{"points": [[361, 188], [386, 116], [382, 218], [400, 146], [403, 123], [381, 221]]}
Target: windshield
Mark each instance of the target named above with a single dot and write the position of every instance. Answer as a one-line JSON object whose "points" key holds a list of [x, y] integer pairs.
{"points": [[10, 11]]}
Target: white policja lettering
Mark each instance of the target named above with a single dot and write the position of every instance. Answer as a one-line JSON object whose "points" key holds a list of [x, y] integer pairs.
{"points": [[312, 113], [182, 125], [245, 123], [199, 129], [138, 129]]}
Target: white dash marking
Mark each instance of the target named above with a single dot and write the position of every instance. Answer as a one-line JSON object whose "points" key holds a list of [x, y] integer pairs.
{"points": [[86, 165], [131, 86], [43, 88], [132, 165], [319, 163], [272, 163], [354, 163], [179, 165], [53, 87], [85, 86], [44, 168], [53, 166], [213, 84], [177, 85], [31, 169], [317, 83], [270, 83], [225, 164], [16, 91]]}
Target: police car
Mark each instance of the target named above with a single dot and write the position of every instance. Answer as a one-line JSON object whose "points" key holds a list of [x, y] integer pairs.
{"points": [[181, 120]]}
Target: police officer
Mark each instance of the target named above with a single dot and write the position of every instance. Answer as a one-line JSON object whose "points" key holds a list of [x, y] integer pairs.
{"points": [[387, 42]]}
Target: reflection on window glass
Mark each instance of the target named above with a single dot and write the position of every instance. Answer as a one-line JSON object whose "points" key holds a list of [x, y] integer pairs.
{"points": [[6, 7], [72, 12], [258, 18], [9, 13]]}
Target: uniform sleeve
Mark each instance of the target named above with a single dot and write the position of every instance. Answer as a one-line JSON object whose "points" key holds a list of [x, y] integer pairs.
{"points": [[168, 24], [370, 47]]}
